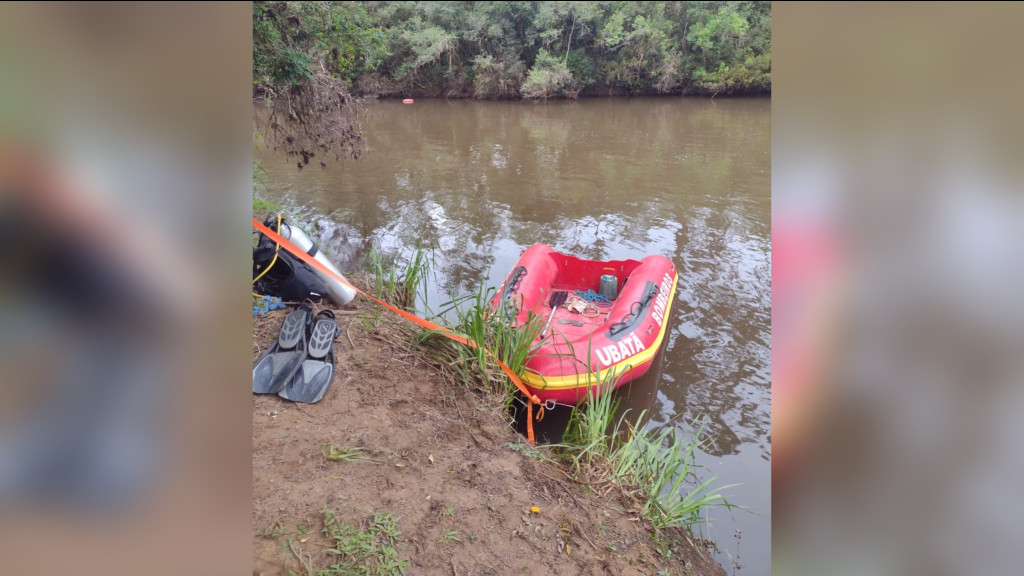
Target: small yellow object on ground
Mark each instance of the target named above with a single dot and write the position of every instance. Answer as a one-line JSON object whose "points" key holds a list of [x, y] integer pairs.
{"points": [[535, 510]]}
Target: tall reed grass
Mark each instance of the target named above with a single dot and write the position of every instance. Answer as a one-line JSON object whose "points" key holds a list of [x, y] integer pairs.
{"points": [[472, 317], [398, 284], [657, 467], [592, 426]]}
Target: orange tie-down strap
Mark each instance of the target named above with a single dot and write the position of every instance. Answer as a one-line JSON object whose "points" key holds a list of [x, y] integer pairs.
{"points": [[531, 399]]}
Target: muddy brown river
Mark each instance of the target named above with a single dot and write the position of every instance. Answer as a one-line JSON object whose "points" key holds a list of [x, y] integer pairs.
{"points": [[476, 182]]}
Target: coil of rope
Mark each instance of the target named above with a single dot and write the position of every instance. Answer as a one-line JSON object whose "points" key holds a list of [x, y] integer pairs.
{"points": [[593, 298]]}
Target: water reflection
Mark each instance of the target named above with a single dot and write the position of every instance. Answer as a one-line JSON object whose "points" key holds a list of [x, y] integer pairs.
{"points": [[724, 313]]}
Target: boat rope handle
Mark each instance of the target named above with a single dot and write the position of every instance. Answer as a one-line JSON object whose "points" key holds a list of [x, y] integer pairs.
{"points": [[532, 399], [507, 301], [277, 248], [635, 309]]}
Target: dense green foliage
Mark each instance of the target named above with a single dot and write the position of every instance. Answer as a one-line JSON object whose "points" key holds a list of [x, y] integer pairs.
{"points": [[291, 39], [516, 49], [305, 57]]}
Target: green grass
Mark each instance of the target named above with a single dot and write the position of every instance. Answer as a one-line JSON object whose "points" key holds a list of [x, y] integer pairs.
{"points": [[448, 535], [592, 427], [526, 450], [371, 319], [259, 173], [659, 467], [345, 454], [259, 180], [369, 549], [261, 206], [663, 468], [274, 531], [398, 284], [472, 317], [305, 560]]}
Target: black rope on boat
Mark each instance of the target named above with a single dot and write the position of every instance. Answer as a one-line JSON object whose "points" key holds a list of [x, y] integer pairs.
{"points": [[636, 311], [508, 296]]}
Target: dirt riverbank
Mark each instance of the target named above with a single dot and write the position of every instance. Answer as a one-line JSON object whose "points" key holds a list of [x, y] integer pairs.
{"points": [[444, 464]]}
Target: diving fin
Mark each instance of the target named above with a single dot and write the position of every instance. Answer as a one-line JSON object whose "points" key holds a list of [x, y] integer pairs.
{"points": [[311, 381], [273, 370]]}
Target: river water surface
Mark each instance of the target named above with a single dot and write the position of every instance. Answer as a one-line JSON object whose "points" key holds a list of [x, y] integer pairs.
{"points": [[601, 179]]}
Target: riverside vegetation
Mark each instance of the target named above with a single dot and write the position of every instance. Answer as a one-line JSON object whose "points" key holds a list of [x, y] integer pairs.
{"points": [[313, 61], [516, 49]]}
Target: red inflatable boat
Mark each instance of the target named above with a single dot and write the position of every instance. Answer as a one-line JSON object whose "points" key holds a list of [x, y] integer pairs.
{"points": [[600, 317]]}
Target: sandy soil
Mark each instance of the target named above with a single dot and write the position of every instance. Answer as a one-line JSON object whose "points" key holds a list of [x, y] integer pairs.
{"points": [[460, 482]]}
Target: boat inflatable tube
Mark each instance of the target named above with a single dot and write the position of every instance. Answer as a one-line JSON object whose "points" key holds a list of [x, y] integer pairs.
{"points": [[620, 335], [337, 292]]}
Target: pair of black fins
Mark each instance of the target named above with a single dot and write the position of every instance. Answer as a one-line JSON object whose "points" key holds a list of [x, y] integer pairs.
{"points": [[293, 368]]}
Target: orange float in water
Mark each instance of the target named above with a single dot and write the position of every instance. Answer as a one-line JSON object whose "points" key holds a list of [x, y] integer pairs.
{"points": [[407, 101]]}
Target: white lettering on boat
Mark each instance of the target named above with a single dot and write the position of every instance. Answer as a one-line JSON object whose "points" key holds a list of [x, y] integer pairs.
{"points": [[662, 300], [617, 352]]}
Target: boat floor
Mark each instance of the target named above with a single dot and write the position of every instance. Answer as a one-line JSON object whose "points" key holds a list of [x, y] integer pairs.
{"points": [[573, 325]]}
